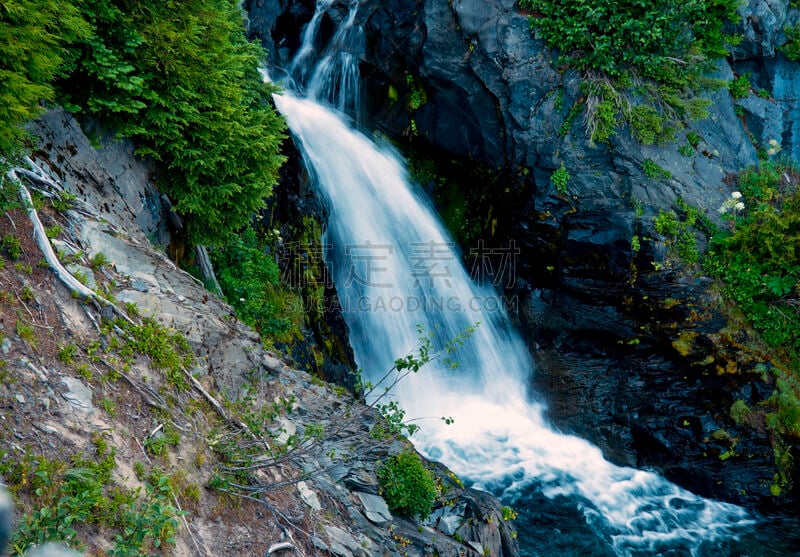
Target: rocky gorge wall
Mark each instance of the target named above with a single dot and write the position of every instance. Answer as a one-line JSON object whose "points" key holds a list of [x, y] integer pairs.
{"points": [[467, 80]]}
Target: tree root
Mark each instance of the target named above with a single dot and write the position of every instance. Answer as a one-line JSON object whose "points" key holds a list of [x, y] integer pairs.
{"points": [[42, 241]]}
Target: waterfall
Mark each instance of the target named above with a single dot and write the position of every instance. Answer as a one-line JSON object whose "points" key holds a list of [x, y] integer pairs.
{"points": [[331, 75], [395, 268]]}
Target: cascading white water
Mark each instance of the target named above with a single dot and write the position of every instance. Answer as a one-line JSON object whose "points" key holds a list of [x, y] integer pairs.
{"points": [[332, 75], [395, 267]]}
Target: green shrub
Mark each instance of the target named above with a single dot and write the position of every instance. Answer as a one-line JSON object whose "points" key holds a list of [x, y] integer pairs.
{"points": [[664, 40], [647, 125], [179, 77], [792, 48], [11, 245], [680, 231], [168, 350], [64, 494], [182, 79], [693, 138], [758, 258], [667, 223], [603, 121], [649, 54], [254, 285], [407, 485], [740, 87], [560, 179]]}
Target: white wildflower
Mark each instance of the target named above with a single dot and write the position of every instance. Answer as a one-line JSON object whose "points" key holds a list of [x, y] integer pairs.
{"points": [[774, 146], [732, 204]]}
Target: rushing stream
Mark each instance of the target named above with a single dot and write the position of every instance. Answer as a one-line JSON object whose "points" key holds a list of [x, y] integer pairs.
{"points": [[396, 268]]}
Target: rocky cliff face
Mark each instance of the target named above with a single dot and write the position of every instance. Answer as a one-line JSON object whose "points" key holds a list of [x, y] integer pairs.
{"points": [[69, 386], [466, 79]]}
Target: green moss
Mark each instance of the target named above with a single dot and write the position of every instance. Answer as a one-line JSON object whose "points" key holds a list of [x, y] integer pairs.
{"points": [[792, 48], [653, 170], [740, 412], [416, 97], [684, 344], [647, 125], [573, 113], [740, 87], [560, 179]]}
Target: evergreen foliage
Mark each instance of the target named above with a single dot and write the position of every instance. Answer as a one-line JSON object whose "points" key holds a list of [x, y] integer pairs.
{"points": [[182, 79], [32, 38], [179, 77], [251, 281]]}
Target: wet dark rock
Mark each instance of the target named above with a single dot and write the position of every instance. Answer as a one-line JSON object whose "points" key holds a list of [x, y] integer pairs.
{"points": [[649, 400], [761, 28], [777, 117], [324, 349]]}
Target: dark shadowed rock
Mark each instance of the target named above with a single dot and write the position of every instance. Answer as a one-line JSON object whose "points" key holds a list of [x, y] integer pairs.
{"points": [[760, 27]]}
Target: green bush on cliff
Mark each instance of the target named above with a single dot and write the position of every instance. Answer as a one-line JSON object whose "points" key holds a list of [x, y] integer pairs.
{"points": [[182, 79], [758, 259], [251, 281], [407, 485], [664, 40], [33, 35], [179, 77], [657, 51]]}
